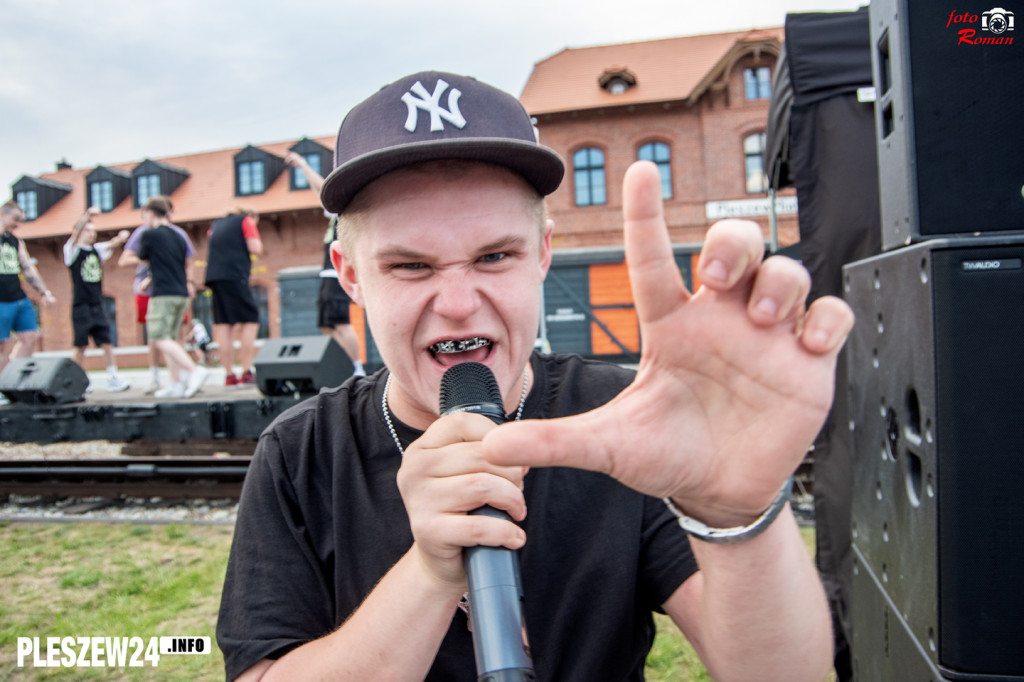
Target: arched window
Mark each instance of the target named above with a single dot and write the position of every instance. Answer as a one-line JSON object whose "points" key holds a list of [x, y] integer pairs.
{"points": [[753, 150], [588, 174], [658, 152]]}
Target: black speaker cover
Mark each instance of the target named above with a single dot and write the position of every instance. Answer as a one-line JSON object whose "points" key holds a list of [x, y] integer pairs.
{"points": [[935, 367], [949, 112], [43, 380], [301, 364]]}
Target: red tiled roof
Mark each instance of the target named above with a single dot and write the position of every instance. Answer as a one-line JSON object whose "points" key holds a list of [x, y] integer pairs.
{"points": [[207, 194], [671, 69]]}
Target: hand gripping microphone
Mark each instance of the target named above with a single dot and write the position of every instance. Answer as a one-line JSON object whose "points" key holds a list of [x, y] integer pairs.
{"points": [[495, 592]]}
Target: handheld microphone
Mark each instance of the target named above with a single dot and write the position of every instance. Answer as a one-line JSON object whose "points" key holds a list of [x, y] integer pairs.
{"points": [[495, 591]]}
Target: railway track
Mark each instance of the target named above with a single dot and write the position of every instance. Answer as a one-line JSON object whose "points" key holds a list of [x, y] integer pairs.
{"points": [[167, 477]]}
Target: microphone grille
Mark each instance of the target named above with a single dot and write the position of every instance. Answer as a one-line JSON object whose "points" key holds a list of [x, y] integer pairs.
{"points": [[468, 383]]}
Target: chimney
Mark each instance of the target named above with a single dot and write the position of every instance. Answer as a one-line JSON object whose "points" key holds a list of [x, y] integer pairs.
{"points": [[63, 165]]}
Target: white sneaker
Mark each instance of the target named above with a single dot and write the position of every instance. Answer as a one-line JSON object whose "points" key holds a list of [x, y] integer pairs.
{"points": [[195, 381], [4, 400], [172, 391], [116, 384], [153, 387]]}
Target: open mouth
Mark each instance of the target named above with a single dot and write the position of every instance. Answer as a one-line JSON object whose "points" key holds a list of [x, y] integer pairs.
{"points": [[453, 351]]}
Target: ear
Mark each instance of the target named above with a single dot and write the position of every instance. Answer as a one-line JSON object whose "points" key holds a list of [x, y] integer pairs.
{"points": [[347, 275], [545, 249]]}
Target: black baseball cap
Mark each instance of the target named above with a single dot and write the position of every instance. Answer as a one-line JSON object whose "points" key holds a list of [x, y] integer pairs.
{"points": [[433, 115]]}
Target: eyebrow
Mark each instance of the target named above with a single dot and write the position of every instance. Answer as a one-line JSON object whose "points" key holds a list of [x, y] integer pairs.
{"points": [[403, 253]]}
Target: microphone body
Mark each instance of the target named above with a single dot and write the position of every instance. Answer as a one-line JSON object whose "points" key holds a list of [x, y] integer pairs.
{"points": [[495, 590]]}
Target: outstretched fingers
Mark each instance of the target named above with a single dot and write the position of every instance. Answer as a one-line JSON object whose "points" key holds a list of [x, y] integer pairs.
{"points": [[655, 278]]}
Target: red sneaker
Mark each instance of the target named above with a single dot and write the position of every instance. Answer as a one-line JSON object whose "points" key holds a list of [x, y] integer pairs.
{"points": [[230, 381], [248, 379]]}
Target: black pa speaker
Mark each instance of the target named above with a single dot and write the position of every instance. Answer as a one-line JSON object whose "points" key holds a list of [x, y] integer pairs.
{"points": [[43, 381], [935, 366], [301, 364], [948, 114]]}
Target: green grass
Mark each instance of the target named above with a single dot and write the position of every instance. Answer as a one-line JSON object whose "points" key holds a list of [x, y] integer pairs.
{"points": [[117, 580]]}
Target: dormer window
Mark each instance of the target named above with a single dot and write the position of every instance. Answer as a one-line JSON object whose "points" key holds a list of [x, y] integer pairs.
{"points": [[151, 178], [316, 155], [255, 171], [148, 186], [29, 203], [106, 188], [617, 80], [251, 178], [35, 196]]}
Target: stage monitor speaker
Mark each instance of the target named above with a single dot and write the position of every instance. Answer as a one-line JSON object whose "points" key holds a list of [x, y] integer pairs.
{"points": [[948, 114], [936, 366], [43, 381], [301, 364]]}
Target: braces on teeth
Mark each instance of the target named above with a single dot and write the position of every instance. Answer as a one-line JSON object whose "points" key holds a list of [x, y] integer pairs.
{"points": [[460, 346]]}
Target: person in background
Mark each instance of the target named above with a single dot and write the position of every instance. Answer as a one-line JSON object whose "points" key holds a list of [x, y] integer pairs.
{"points": [[17, 315], [196, 340], [169, 256], [234, 241], [129, 257], [332, 302], [84, 257]]}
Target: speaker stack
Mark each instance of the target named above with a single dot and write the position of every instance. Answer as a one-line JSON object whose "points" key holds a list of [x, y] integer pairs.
{"points": [[935, 359]]}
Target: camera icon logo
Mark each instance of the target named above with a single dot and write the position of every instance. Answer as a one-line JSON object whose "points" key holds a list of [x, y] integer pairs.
{"points": [[997, 20]]}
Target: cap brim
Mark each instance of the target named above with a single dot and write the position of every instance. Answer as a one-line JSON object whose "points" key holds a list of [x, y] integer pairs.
{"points": [[540, 166]]}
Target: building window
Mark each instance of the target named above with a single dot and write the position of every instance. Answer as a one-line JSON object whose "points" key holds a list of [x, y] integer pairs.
{"points": [[298, 179], [658, 153], [250, 177], [753, 150], [588, 173], [757, 83], [29, 203], [149, 187], [101, 195]]}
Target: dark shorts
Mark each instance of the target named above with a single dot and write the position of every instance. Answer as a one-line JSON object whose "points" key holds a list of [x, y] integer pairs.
{"points": [[233, 303], [88, 320], [332, 304]]}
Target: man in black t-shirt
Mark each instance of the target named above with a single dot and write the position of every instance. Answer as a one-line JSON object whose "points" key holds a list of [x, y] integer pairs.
{"points": [[168, 253], [347, 560], [84, 258], [17, 316], [233, 241]]}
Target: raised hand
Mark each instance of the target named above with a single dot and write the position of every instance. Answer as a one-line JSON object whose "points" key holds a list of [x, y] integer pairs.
{"points": [[734, 382]]}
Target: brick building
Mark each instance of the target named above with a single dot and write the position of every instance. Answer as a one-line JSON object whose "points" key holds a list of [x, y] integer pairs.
{"points": [[695, 105]]}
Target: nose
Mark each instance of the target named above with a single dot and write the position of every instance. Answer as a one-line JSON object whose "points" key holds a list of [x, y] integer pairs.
{"points": [[456, 298]]}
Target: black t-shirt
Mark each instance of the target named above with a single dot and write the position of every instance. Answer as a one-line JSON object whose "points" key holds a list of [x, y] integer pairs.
{"points": [[166, 251], [10, 269], [227, 257], [321, 521]]}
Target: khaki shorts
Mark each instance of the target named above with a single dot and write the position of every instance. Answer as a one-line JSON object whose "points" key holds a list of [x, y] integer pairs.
{"points": [[164, 317]]}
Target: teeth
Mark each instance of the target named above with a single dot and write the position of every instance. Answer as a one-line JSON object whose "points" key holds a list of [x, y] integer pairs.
{"points": [[460, 346]]}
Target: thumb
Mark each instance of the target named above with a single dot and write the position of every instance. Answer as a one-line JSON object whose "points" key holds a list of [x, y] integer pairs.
{"points": [[578, 441]]}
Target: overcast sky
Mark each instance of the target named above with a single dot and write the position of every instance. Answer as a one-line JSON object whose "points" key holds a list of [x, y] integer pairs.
{"points": [[113, 81]]}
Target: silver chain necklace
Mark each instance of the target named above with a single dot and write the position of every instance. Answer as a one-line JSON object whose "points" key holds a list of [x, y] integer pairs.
{"points": [[391, 426]]}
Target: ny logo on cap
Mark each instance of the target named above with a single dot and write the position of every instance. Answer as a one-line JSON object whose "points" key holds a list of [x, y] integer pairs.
{"points": [[419, 98]]}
